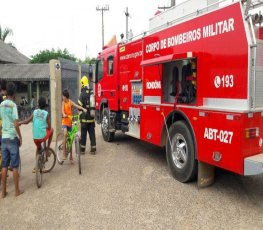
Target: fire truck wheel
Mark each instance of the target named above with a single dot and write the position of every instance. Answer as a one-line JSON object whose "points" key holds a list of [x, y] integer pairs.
{"points": [[105, 126], [180, 153]]}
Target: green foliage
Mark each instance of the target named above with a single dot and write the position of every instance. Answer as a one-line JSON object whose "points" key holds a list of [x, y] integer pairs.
{"points": [[45, 56], [5, 32], [88, 60]]}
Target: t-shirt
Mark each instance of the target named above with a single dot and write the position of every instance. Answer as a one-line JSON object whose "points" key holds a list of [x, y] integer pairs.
{"points": [[39, 123], [8, 114], [68, 112]]}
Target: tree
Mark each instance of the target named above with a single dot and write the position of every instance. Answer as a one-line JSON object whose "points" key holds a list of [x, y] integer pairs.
{"points": [[4, 33], [88, 60], [45, 56]]}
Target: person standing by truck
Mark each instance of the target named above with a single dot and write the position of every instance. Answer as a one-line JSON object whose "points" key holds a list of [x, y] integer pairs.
{"points": [[87, 119]]}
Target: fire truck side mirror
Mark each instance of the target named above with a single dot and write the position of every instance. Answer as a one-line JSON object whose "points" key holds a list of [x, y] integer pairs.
{"points": [[95, 76]]}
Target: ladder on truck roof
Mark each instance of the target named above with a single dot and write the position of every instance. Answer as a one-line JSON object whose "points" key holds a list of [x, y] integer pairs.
{"points": [[253, 3], [191, 9]]}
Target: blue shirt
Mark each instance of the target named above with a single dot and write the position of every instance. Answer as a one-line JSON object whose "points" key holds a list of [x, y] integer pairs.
{"points": [[39, 123], [8, 114]]}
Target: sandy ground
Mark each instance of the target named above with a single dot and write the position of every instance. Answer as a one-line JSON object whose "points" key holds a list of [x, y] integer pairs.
{"points": [[127, 185]]}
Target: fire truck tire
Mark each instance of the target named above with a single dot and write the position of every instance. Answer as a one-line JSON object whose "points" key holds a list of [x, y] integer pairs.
{"points": [[105, 129], [180, 153]]}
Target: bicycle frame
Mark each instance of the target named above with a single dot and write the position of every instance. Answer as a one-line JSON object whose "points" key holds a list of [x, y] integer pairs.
{"points": [[71, 134], [41, 160]]}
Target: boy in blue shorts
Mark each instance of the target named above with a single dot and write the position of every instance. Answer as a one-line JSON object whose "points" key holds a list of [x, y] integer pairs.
{"points": [[42, 130], [11, 138]]}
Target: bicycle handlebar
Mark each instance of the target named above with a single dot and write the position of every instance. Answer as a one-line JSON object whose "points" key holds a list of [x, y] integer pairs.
{"points": [[72, 117]]}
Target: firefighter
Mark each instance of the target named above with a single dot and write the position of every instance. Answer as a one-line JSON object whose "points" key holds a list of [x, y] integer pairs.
{"points": [[87, 121]]}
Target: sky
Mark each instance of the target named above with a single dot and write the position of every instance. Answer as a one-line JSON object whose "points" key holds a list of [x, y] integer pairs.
{"points": [[74, 25]]}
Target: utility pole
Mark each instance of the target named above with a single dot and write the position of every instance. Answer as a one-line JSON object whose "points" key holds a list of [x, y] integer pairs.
{"points": [[127, 17], [86, 52], [102, 9]]}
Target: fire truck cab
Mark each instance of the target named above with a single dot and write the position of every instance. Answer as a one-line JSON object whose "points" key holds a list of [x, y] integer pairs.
{"points": [[193, 84]]}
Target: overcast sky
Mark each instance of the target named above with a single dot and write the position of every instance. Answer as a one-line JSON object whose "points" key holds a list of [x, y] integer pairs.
{"points": [[75, 25]]}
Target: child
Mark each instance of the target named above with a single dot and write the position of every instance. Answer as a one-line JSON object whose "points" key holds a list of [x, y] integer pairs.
{"points": [[67, 105], [2, 98], [42, 130], [11, 138]]}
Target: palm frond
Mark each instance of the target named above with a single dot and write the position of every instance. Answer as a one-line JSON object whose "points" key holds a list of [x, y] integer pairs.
{"points": [[4, 33]]}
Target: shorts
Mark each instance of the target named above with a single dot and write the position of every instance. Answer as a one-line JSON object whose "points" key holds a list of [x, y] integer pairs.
{"points": [[38, 142], [10, 152], [69, 128]]}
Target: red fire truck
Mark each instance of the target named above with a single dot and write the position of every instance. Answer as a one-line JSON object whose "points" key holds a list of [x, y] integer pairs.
{"points": [[193, 84]]}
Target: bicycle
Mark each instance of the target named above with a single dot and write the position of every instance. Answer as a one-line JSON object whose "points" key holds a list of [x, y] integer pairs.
{"points": [[72, 135], [44, 162]]}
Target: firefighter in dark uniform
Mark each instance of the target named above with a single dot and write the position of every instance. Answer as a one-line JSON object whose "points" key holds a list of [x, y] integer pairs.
{"points": [[86, 119]]}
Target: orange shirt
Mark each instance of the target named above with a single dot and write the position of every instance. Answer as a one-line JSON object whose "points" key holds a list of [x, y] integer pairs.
{"points": [[68, 111]]}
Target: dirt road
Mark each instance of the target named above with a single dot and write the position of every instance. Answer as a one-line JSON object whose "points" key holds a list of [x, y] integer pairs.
{"points": [[127, 185]]}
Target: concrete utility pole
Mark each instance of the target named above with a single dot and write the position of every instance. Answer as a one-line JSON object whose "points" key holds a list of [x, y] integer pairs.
{"points": [[102, 9], [86, 51], [127, 17]]}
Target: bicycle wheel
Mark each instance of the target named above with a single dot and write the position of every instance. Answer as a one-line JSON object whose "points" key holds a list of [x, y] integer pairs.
{"points": [[39, 165], [77, 149], [50, 161], [59, 148]]}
